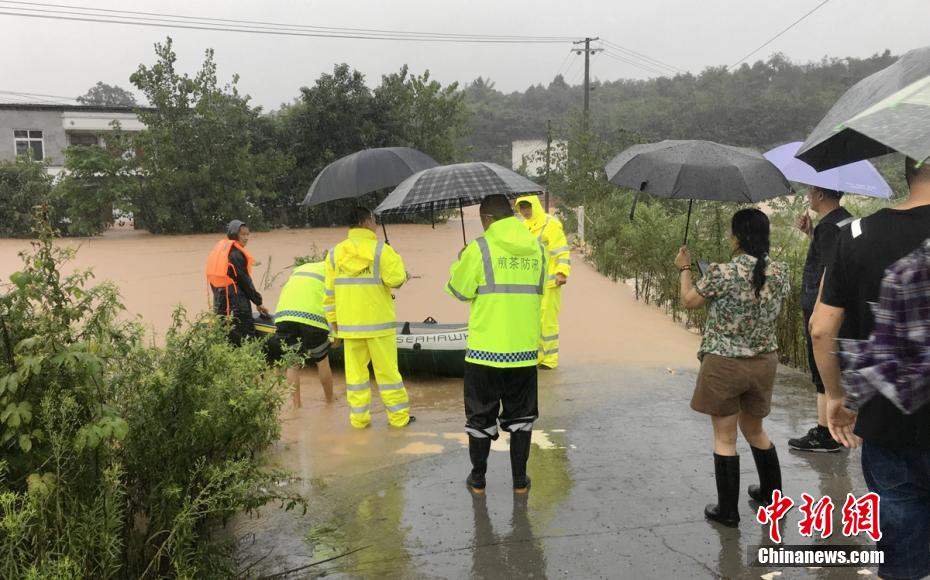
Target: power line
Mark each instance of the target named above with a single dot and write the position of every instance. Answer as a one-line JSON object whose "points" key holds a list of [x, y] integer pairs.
{"points": [[642, 57], [203, 24], [276, 25], [645, 67], [774, 38], [570, 73], [41, 96], [565, 61]]}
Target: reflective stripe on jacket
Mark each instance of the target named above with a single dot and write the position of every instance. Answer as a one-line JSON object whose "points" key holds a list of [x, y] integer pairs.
{"points": [[360, 273], [302, 296], [502, 274]]}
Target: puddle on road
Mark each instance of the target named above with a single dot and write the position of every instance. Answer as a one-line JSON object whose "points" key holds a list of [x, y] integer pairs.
{"points": [[420, 448]]}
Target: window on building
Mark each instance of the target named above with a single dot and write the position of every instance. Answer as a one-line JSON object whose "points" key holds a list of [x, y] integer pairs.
{"points": [[26, 141], [83, 139]]}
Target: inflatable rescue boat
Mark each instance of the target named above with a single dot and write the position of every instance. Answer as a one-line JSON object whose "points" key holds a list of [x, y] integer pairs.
{"points": [[422, 347]]}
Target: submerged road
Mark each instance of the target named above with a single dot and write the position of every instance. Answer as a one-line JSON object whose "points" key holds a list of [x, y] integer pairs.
{"points": [[621, 466]]}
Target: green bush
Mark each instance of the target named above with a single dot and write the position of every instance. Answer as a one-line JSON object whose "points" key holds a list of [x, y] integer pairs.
{"points": [[122, 459], [24, 184]]}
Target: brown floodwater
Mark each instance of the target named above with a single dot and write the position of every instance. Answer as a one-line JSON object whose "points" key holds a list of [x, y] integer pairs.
{"points": [[601, 324]]}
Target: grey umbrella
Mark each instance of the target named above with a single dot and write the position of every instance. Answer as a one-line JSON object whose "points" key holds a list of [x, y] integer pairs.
{"points": [[454, 186], [697, 170], [366, 171], [900, 123], [833, 142]]}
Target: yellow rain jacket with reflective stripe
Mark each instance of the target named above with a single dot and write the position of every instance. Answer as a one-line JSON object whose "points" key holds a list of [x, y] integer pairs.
{"points": [[301, 298], [548, 230], [360, 273], [502, 274]]}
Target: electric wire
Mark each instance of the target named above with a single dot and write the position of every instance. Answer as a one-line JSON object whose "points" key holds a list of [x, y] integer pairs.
{"points": [[191, 23], [774, 38]]}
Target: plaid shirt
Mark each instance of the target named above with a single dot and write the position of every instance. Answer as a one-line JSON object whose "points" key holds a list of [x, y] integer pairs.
{"points": [[895, 360]]}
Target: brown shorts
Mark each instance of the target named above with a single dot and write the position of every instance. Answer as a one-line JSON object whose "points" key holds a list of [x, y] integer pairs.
{"points": [[726, 386]]}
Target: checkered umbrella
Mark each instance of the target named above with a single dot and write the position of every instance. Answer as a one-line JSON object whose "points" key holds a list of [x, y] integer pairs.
{"points": [[454, 186]]}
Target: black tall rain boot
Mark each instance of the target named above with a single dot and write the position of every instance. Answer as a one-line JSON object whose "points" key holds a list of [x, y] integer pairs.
{"points": [[726, 472], [478, 450], [769, 474], [519, 455]]}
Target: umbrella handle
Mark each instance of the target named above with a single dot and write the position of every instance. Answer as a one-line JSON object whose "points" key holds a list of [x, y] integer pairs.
{"points": [[462, 215], [384, 229], [633, 207], [688, 222]]}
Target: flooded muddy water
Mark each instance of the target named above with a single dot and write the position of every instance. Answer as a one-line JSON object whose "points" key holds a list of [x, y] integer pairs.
{"points": [[397, 494]]}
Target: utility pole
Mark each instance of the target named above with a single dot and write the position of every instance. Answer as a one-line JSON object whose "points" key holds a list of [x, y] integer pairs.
{"points": [[548, 158], [588, 51]]}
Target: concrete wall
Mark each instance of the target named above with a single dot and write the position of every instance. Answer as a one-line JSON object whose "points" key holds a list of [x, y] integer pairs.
{"points": [[48, 121], [528, 150]]}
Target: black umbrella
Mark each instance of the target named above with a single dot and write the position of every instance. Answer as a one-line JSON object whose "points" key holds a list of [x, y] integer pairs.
{"points": [[834, 142], [366, 171], [697, 170], [454, 186]]}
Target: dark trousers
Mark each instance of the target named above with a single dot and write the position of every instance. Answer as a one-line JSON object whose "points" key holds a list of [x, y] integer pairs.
{"points": [[229, 302], [815, 374], [493, 395], [901, 478]]}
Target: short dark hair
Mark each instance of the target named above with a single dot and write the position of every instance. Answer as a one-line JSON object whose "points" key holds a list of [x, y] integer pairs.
{"points": [[831, 193], [358, 215], [496, 206], [524, 203], [914, 169]]}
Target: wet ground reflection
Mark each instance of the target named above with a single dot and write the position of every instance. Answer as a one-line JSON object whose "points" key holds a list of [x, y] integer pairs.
{"points": [[621, 470]]}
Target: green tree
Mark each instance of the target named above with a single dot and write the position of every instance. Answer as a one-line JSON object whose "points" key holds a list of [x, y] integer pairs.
{"points": [[340, 115], [97, 181], [196, 154], [421, 113], [107, 95]]}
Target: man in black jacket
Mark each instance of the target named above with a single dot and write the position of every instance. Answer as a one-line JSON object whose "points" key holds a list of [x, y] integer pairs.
{"points": [[826, 204]]}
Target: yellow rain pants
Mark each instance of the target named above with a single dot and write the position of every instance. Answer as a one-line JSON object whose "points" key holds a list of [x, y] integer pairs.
{"points": [[381, 351], [549, 335]]}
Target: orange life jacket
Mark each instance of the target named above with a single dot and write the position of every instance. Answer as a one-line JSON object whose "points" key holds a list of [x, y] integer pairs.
{"points": [[218, 263]]}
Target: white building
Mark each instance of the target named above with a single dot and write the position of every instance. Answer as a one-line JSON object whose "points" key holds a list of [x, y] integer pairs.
{"points": [[47, 130], [533, 153]]}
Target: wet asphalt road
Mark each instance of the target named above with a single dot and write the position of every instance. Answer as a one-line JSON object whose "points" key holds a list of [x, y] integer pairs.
{"points": [[621, 470]]}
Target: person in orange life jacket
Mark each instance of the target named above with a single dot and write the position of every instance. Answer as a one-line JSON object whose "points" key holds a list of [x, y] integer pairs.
{"points": [[232, 286]]}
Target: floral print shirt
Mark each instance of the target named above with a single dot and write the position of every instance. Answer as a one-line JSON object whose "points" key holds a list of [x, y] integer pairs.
{"points": [[739, 325]]}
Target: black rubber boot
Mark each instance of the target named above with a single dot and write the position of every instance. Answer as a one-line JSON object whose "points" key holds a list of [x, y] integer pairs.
{"points": [[478, 450], [769, 474], [726, 472], [519, 455]]}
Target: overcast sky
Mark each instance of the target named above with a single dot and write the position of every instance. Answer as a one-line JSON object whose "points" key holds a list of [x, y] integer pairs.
{"points": [[65, 58]]}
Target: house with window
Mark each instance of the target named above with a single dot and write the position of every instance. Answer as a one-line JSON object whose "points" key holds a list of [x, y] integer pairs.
{"points": [[46, 130]]}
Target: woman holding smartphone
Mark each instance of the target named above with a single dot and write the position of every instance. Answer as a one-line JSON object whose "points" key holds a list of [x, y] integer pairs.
{"points": [[738, 355]]}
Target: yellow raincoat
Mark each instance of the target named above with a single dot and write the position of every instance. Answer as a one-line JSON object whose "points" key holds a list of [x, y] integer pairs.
{"points": [[548, 230], [360, 273]]}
